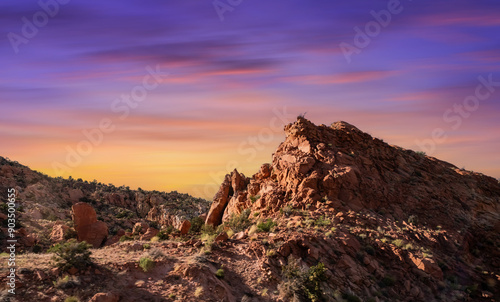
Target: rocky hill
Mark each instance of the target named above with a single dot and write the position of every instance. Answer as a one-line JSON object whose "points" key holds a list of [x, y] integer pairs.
{"points": [[43, 202], [425, 223], [337, 216]]}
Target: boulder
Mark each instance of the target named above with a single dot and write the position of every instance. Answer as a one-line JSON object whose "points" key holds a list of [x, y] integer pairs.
{"points": [[58, 232], [222, 237], [185, 226], [83, 214], [427, 265], [94, 233], [86, 225], [105, 297], [150, 233]]}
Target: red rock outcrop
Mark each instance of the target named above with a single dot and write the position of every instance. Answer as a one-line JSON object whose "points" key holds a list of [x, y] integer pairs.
{"points": [[105, 297], [87, 227], [396, 214], [59, 230], [229, 195], [185, 226], [341, 165]]}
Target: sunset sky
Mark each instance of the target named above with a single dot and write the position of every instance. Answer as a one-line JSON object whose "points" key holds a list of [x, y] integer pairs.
{"points": [[236, 75]]}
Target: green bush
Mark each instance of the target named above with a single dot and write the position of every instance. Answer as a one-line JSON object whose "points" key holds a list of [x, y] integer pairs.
{"points": [[146, 264], [70, 233], [219, 273], [421, 153], [299, 284], [72, 254], [66, 282], [254, 198], [322, 221], [196, 224], [240, 222], [266, 226], [125, 238], [72, 299], [387, 281], [312, 287], [163, 234]]}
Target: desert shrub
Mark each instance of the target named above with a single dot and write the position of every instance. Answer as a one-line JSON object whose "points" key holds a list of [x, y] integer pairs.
{"points": [[163, 235], [254, 198], [198, 291], [126, 238], [413, 219], [196, 224], [154, 224], [70, 233], [421, 153], [315, 275], [301, 284], [252, 230], [219, 273], [370, 250], [72, 254], [271, 253], [322, 221], [350, 297], [36, 248], [66, 282], [153, 253], [210, 230], [146, 246], [266, 226], [239, 222], [146, 264], [387, 281], [72, 299], [398, 242]]}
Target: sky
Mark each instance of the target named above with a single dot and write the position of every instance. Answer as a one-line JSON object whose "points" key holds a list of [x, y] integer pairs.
{"points": [[172, 95]]}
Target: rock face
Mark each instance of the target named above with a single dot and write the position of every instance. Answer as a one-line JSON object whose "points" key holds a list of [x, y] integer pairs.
{"points": [[87, 227]]}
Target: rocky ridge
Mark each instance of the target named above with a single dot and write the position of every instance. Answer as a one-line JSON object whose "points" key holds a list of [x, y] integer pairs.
{"points": [[438, 220], [48, 207], [337, 216]]}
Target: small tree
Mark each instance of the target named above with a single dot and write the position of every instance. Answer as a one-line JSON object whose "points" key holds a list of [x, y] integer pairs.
{"points": [[72, 254]]}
